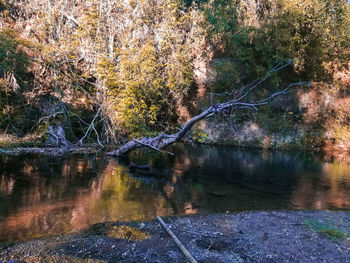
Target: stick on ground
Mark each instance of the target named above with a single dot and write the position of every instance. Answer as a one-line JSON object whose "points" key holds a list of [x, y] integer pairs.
{"points": [[177, 241]]}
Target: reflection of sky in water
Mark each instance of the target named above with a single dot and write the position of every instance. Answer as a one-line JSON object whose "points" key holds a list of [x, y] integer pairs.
{"points": [[48, 195]]}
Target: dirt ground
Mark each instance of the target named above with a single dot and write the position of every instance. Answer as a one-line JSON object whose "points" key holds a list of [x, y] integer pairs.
{"points": [[285, 236]]}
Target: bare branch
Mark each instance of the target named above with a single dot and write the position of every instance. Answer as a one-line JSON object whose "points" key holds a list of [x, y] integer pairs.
{"points": [[71, 18], [255, 83], [278, 67], [164, 140], [80, 142], [97, 136]]}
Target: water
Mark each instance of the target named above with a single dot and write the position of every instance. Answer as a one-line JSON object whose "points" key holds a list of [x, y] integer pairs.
{"points": [[41, 195]]}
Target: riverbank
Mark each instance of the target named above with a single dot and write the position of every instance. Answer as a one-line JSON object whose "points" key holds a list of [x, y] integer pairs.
{"points": [[286, 236], [11, 145], [54, 151], [18, 149]]}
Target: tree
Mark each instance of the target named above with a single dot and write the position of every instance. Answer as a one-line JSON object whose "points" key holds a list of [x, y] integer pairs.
{"points": [[14, 78], [239, 101], [258, 34], [125, 69]]}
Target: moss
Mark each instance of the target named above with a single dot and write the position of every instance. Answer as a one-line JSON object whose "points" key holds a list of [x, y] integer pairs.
{"points": [[333, 233], [326, 228], [127, 232]]}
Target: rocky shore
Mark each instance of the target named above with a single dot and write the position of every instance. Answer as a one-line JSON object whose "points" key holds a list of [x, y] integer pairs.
{"points": [[284, 236], [55, 151]]}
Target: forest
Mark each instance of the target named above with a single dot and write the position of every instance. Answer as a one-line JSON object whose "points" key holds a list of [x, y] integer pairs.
{"points": [[108, 71], [241, 108]]}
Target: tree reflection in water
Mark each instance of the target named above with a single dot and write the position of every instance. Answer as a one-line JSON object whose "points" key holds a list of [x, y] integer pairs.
{"points": [[42, 195]]}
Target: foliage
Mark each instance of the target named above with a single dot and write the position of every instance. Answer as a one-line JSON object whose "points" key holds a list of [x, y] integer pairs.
{"points": [[137, 60], [327, 229], [314, 33], [3, 7], [133, 58], [150, 73], [14, 77], [317, 36], [228, 75], [199, 136], [12, 58]]}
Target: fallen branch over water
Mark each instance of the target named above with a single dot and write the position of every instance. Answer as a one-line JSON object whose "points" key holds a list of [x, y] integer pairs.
{"points": [[164, 140]]}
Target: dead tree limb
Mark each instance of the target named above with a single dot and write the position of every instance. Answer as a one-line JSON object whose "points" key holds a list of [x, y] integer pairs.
{"points": [[164, 140], [97, 137], [45, 118], [91, 126]]}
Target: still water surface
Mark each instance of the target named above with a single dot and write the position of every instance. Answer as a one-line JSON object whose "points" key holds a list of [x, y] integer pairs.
{"points": [[42, 195]]}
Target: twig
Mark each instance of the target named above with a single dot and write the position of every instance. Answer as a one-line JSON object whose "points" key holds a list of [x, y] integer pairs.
{"points": [[97, 137], [93, 127], [177, 241], [278, 67], [46, 117], [212, 243], [80, 142]]}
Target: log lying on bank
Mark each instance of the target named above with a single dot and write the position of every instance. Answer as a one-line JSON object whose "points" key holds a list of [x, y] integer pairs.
{"points": [[162, 141]]}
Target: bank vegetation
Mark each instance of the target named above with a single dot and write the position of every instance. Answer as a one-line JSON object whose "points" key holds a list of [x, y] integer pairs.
{"points": [[107, 71]]}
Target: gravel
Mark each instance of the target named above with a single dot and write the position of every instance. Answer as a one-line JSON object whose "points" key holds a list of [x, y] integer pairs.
{"points": [[284, 236]]}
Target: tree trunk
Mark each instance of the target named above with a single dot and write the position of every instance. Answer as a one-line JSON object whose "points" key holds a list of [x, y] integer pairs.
{"points": [[56, 136], [164, 140]]}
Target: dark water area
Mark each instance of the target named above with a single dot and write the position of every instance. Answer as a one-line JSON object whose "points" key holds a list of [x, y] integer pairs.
{"points": [[41, 195]]}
